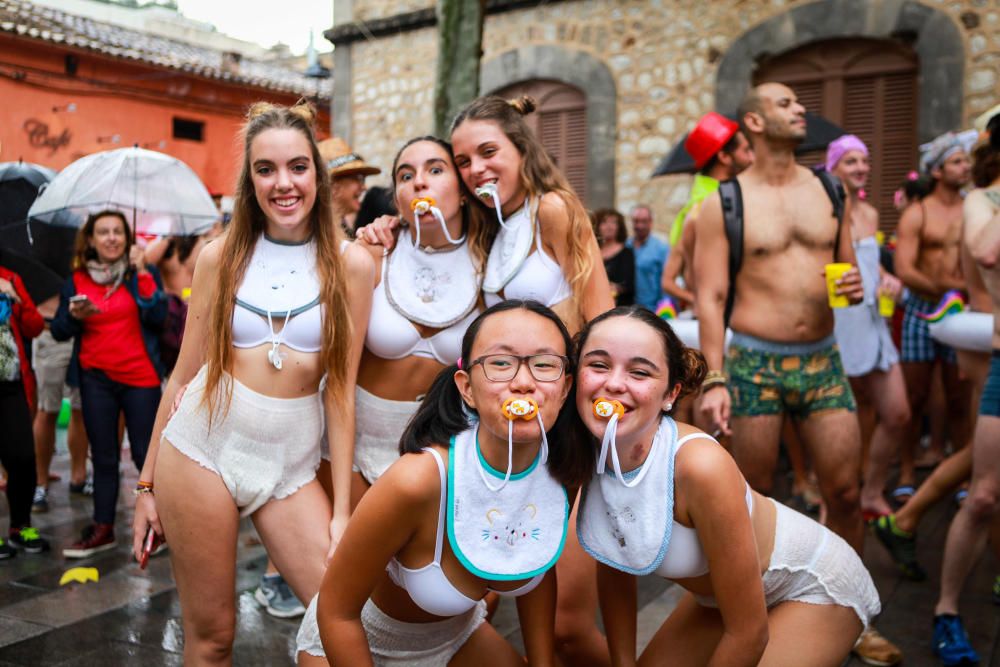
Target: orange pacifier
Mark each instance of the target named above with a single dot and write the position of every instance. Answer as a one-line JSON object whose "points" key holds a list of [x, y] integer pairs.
{"points": [[422, 205], [605, 408], [519, 408]]}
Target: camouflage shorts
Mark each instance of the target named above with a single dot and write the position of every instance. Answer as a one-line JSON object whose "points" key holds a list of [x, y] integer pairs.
{"points": [[768, 378]]}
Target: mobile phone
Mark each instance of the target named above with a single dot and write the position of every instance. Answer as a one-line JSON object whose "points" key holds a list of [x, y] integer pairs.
{"points": [[149, 544]]}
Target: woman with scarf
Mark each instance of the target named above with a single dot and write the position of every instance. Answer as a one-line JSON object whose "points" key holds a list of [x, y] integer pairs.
{"points": [[114, 307]]}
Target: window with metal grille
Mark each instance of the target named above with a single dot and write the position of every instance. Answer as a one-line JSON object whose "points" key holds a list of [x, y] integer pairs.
{"points": [[869, 88], [560, 122]]}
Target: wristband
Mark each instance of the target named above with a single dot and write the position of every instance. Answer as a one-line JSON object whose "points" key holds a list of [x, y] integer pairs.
{"points": [[709, 386]]}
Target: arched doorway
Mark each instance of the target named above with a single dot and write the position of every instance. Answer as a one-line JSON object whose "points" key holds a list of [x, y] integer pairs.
{"points": [[560, 122], [868, 87]]}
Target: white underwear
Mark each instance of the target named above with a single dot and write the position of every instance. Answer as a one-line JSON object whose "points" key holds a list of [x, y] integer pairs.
{"points": [[396, 643], [262, 447], [812, 564], [379, 424]]}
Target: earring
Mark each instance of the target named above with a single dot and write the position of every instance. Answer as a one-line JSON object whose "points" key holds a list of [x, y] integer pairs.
{"points": [[669, 407]]}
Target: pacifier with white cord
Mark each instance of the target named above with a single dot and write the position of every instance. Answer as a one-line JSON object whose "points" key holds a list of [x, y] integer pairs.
{"points": [[487, 191], [515, 408], [422, 205], [612, 410]]}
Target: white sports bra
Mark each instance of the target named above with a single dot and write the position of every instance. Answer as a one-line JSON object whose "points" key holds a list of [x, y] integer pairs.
{"points": [[428, 586], [391, 336], [540, 278], [281, 285], [685, 558]]}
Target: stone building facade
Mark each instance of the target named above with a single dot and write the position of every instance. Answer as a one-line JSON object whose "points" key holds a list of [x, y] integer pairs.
{"points": [[650, 68]]}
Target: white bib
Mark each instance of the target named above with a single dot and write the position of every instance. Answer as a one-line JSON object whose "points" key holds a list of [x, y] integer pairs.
{"points": [[280, 278], [511, 247], [515, 533], [436, 289], [628, 527]]}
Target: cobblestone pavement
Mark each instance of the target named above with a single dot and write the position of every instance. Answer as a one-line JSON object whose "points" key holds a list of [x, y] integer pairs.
{"points": [[133, 617]]}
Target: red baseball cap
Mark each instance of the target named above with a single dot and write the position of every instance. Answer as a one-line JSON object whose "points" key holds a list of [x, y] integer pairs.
{"points": [[712, 132]]}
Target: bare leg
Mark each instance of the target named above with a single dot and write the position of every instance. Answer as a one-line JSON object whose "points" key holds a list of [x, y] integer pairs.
{"points": [[825, 632], [796, 457], [887, 393], [967, 535], [688, 636], [754, 445], [833, 440], [486, 648], [946, 477], [918, 376], [937, 413], [189, 498], [76, 440], [960, 409], [578, 641], [866, 414]]}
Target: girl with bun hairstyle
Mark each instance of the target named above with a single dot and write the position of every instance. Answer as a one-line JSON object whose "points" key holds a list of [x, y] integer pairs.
{"points": [[765, 584], [272, 313], [446, 524]]}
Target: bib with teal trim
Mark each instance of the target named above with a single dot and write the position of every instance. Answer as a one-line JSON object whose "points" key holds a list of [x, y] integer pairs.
{"points": [[507, 535]]}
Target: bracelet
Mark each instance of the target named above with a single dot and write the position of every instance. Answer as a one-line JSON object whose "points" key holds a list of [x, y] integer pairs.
{"points": [[142, 490], [141, 483], [711, 386]]}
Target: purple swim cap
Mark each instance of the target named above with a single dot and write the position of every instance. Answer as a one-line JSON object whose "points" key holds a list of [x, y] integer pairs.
{"points": [[840, 146]]}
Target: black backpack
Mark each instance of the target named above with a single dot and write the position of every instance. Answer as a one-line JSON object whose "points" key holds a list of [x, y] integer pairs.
{"points": [[731, 197]]}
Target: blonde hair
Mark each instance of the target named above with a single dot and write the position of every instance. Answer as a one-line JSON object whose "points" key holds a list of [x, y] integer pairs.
{"points": [[539, 175], [247, 225]]}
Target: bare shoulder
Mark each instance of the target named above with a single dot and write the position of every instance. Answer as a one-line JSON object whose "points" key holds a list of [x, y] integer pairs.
{"points": [[701, 457], [414, 478], [211, 255], [553, 211]]}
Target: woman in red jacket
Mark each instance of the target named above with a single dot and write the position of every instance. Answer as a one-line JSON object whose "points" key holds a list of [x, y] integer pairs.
{"points": [[19, 322]]}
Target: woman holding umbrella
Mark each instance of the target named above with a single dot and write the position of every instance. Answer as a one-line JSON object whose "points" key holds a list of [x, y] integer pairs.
{"points": [[272, 313], [113, 306]]}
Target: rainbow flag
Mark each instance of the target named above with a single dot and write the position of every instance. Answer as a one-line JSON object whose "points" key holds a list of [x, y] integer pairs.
{"points": [[952, 302], [666, 308]]}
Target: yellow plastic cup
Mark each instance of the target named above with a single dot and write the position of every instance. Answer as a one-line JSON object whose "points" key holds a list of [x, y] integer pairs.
{"points": [[886, 305], [833, 274], [186, 294], [880, 237]]}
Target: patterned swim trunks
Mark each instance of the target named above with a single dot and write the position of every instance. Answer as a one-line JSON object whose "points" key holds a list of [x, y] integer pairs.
{"points": [[767, 378], [918, 344]]}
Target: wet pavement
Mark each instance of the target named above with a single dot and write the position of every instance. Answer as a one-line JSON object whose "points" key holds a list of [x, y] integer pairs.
{"points": [[133, 617]]}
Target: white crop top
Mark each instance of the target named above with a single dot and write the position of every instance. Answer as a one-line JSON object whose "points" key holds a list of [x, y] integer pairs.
{"points": [[428, 586], [685, 558], [391, 336], [540, 278], [280, 284]]}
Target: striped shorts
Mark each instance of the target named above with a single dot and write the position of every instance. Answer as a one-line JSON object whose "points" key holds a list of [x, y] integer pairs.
{"points": [[918, 344]]}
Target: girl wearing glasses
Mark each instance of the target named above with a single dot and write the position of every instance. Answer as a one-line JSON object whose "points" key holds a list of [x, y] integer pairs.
{"points": [[478, 502], [766, 585]]}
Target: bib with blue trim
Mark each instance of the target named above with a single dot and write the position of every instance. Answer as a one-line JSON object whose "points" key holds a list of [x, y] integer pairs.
{"points": [[628, 527], [511, 534]]}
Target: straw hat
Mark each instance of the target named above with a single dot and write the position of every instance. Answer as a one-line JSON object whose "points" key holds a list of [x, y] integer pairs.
{"points": [[340, 160], [708, 137]]}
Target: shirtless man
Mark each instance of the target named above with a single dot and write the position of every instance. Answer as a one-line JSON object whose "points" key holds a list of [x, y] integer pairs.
{"points": [[967, 535], [720, 152], [928, 261], [782, 358]]}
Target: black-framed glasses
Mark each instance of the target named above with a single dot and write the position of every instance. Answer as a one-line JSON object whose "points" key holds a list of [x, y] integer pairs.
{"points": [[503, 367]]}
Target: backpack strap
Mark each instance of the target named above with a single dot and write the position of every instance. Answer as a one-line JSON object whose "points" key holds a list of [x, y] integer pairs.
{"points": [[835, 191], [731, 197]]}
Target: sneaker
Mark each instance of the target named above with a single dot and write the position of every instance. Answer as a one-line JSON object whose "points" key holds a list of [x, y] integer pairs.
{"points": [[6, 551], [40, 503], [28, 540], [902, 546], [84, 488], [951, 644], [96, 538], [274, 595], [874, 649]]}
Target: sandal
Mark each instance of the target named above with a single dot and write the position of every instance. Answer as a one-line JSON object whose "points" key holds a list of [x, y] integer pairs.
{"points": [[903, 493]]}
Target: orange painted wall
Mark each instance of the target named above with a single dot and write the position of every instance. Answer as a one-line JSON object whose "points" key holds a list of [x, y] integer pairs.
{"points": [[135, 101]]}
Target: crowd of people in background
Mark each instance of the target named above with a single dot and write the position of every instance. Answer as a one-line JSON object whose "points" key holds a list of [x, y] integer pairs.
{"points": [[466, 386]]}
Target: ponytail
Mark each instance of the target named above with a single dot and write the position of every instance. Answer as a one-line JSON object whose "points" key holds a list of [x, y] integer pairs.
{"points": [[441, 415]]}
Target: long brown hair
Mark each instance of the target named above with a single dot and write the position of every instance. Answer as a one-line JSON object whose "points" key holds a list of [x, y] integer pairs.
{"points": [[473, 223], [539, 175], [247, 225], [83, 251]]}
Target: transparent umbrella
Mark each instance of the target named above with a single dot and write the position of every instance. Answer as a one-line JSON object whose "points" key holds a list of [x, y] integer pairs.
{"points": [[153, 189]]}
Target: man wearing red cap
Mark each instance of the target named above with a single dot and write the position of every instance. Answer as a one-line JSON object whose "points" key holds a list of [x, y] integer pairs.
{"points": [[720, 152], [782, 359]]}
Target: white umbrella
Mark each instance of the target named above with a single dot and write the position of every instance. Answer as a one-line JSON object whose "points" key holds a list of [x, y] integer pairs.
{"points": [[148, 186]]}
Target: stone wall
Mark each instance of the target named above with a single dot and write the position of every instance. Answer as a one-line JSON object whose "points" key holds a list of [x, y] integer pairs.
{"points": [[663, 55]]}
